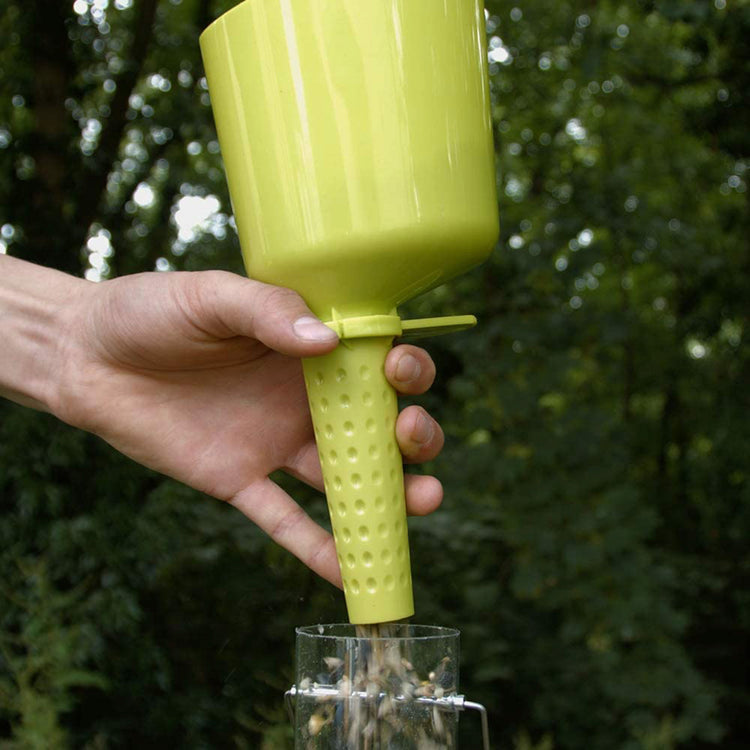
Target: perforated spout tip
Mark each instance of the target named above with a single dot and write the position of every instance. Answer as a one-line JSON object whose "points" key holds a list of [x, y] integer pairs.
{"points": [[354, 414]]}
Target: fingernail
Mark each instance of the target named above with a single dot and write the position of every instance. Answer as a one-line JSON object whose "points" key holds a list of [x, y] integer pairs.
{"points": [[311, 329], [407, 369], [424, 430]]}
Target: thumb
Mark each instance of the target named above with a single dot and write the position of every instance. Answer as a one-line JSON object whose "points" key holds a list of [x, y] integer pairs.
{"points": [[276, 316]]}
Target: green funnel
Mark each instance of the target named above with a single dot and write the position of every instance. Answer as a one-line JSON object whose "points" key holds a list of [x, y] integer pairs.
{"points": [[357, 143]]}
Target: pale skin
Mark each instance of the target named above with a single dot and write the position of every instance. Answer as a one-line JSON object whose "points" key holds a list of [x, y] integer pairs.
{"points": [[196, 375]]}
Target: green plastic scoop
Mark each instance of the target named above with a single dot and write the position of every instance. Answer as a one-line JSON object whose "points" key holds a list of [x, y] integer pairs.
{"points": [[357, 143]]}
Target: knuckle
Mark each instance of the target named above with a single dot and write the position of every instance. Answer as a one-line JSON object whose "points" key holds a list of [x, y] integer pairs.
{"points": [[189, 295], [279, 300], [285, 526], [322, 555], [196, 296]]}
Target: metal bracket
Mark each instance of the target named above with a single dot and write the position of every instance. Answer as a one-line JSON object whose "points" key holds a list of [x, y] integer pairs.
{"points": [[447, 703]]}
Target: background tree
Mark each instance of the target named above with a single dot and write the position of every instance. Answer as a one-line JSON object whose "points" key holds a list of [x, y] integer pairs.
{"points": [[593, 542]]}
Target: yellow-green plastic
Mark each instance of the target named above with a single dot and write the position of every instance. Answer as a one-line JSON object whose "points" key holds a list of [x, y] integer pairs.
{"points": [[354, 413], [357, 144]]}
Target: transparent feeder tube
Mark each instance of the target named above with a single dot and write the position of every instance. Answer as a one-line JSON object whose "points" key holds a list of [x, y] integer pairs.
{"points": [[397, 691]]}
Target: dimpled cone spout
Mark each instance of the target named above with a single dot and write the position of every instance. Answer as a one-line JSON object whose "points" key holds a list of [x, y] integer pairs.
{"points": [[354, 414], [357, 143]]}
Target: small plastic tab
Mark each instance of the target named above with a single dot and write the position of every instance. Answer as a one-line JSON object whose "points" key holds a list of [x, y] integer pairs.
{"points": [[366, 326], [436, 326]]}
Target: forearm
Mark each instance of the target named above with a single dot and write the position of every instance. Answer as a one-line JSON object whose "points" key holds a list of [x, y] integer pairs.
{"points": [[33, 306]]}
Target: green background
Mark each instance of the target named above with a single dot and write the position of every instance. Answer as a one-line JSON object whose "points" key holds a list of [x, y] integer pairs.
{"points": [[593, 542]]}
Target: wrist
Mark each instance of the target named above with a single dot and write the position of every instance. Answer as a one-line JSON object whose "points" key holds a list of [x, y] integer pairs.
{"points": [[35, 310]]}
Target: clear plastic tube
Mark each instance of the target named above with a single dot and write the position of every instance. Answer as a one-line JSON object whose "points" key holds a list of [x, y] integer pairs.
{"points": [[376, 688]]}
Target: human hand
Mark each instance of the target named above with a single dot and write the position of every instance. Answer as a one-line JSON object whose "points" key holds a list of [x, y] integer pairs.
{"points": [[197, 375]]}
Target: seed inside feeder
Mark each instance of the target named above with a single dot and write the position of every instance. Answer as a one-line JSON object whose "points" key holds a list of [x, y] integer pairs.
{"points": [[380, 691]]}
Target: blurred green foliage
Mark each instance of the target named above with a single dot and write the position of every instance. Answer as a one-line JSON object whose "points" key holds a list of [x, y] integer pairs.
{"points": [[593, 544]]}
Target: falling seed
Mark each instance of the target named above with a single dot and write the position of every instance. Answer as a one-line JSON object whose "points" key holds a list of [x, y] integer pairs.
{"points": [[345, 686], [386, 707], [333, 663], [424, 690], [437, 721], [407, 689], [315, 724], [369, 729], [305, 683], [442, 673], [439, 692], [355, 724], [392, 659]]}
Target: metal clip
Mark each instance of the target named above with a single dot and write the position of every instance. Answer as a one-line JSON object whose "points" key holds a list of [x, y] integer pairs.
{"points": [[447, 703]]}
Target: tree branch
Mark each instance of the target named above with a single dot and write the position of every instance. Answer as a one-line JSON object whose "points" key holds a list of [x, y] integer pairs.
{"points": [[109, 143]]}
